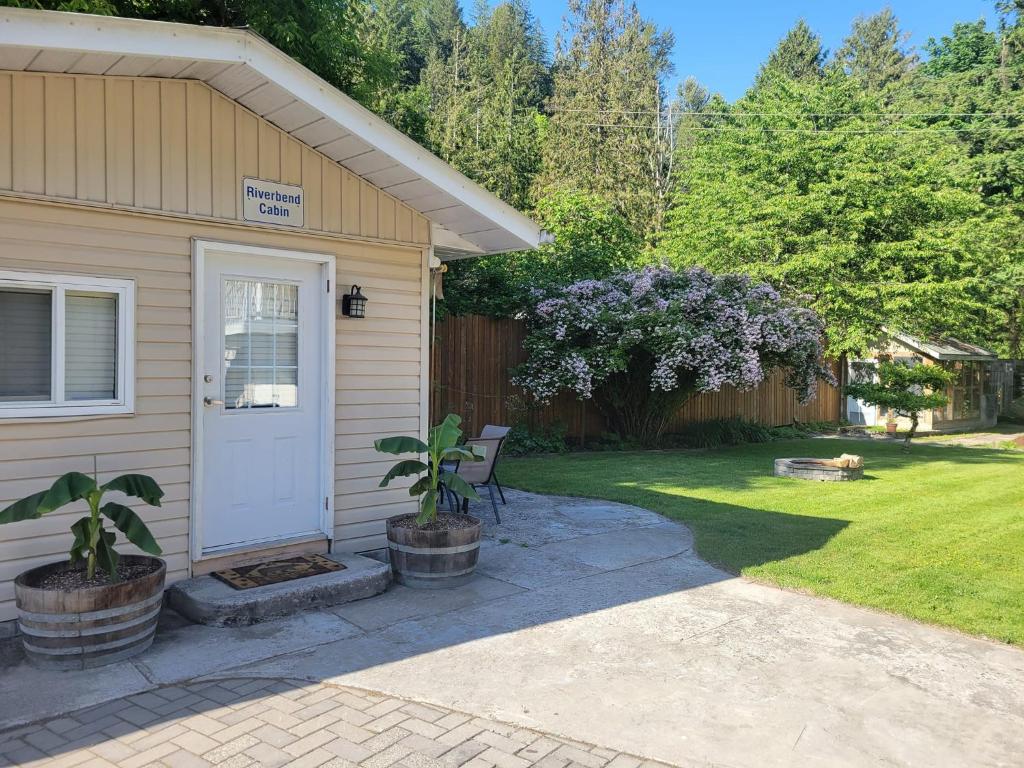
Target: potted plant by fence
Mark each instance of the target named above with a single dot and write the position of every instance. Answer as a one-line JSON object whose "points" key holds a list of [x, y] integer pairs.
{"points": [[432, 549], [96, 607]]}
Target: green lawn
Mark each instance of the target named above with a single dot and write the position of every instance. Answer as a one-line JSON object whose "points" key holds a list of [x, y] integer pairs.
{"points": [[937, 535]]}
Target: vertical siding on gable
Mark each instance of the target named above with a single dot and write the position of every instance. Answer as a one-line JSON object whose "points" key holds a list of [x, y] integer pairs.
{"points": [[368, 223], [247, 148], [224, 178], [120, 132], [200, 147], [5, 131], [332, 198], [350, 215], [147, 143], [312, 183], [91, 140], [291, 161], [27, 108], [59, 134], [270, 152], [175, 146]]}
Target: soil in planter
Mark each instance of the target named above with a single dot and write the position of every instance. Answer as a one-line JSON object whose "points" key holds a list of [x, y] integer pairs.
{"points": [[446, 521], [76, 578]]}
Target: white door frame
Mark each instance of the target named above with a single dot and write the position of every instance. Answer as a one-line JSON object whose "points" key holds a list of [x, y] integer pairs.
{"points": [[200, 248]]}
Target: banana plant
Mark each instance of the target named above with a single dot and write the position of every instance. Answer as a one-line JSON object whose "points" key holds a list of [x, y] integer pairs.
{"points": [[442, 444], [93, 543]]}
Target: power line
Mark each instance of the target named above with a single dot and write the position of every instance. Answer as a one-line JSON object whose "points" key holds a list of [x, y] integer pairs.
{"points": [[768, 129], [786, 115]]}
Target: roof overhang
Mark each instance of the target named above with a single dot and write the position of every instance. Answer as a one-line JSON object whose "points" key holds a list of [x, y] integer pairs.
{"points": [[945, 349], [246, 68]]}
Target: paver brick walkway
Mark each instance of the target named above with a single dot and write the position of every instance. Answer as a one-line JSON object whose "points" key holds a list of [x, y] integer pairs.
{"points": [[259, 722]]}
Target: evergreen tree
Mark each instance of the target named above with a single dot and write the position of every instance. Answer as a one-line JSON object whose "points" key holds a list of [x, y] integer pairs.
{"points": [[329, 37], [609, 133], [798, 56], [484, 100], [875, 52]]}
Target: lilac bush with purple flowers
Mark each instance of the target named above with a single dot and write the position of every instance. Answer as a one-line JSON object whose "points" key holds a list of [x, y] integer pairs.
{"points": [[639, 344]]}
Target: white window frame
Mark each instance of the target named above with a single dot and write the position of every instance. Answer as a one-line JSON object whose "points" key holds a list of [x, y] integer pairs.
{"points": [[58, 286]]}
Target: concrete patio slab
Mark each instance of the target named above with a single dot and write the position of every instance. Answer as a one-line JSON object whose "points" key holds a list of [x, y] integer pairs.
{"points": [[206, 600], [617, 635], [400, 603], [186, 651]]}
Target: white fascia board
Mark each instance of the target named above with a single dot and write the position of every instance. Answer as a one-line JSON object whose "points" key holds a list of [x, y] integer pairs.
{"points": [[126, 37], [139, 37]]}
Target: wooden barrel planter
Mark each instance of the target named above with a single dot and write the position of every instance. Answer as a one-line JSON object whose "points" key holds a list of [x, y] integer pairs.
{"points": [[435, 557], [91, 626]]}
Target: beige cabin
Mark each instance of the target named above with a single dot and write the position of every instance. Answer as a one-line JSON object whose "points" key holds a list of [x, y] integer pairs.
{"points": [[182, 211]]}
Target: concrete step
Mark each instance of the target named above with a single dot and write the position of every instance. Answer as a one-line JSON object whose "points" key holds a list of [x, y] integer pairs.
{"points": [[206, 600]]}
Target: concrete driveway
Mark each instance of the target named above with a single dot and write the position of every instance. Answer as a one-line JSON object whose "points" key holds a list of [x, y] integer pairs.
{"points": [[596, 623]]}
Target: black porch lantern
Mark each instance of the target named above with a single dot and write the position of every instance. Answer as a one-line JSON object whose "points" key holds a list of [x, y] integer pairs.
{"points": [[353, 303]]}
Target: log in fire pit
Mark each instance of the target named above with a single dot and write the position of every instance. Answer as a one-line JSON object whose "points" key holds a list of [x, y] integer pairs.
{"points": [[825, 470]]}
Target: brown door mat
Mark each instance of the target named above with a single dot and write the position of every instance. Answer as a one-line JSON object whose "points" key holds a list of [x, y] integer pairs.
{"points": [[276, 571]]}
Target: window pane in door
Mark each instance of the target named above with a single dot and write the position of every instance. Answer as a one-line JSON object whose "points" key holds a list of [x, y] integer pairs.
{"points": [[261, 352], [90, 346], [25, 354]]}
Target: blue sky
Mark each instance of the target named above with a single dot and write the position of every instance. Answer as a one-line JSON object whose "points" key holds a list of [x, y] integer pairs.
{"points": [[722, 44]]}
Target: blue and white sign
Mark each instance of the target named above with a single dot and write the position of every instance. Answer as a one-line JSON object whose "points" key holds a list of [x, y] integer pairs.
{"points": [[268, 202]]}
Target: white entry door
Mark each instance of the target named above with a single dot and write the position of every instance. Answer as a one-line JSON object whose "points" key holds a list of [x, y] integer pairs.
{"points": [[263, 403]]}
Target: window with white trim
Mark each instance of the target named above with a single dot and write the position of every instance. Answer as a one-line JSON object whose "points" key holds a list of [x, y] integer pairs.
{"points": [[66, 345]]}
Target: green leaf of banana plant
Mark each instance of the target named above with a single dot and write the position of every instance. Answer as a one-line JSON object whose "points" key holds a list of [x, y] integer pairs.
{"points": [[403, 469], [421, 486], [428, 508], [106, 555], [446, 434], [25, 509], [66, 489], [140, 486], [81, 533], [399, 445], [469, 452], [131, 525], [459, 486]]}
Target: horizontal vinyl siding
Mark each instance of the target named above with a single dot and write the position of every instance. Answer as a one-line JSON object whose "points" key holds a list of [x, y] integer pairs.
{"points": [[378, 394], [155, 440], [378, 376], [174, 146]]}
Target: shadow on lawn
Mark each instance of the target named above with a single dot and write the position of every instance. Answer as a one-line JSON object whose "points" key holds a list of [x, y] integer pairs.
{"points": [[736, 537]]}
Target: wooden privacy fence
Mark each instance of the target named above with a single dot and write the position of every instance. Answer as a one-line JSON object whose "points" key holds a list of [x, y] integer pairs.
{"points": [[470, 361]]}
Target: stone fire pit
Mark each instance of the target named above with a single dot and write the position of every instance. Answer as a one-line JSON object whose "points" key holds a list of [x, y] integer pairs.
{"points": [[824, 470]]}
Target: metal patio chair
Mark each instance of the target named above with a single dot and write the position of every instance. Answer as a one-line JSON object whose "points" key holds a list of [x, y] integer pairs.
{"points": [[492, 431], [481, 473]]}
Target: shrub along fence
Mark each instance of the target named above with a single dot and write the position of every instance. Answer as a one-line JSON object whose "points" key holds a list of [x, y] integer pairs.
{"points": [[470, 363]]}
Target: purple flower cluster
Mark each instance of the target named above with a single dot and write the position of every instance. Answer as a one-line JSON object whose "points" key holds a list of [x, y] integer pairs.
{"points": [[693, 330]]}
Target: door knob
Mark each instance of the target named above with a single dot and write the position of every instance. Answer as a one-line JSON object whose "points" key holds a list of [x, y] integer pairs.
{"points": [[208, 401]]}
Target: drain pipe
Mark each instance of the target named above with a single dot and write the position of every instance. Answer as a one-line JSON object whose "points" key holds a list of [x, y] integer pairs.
{"points": [[437, 270]]}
